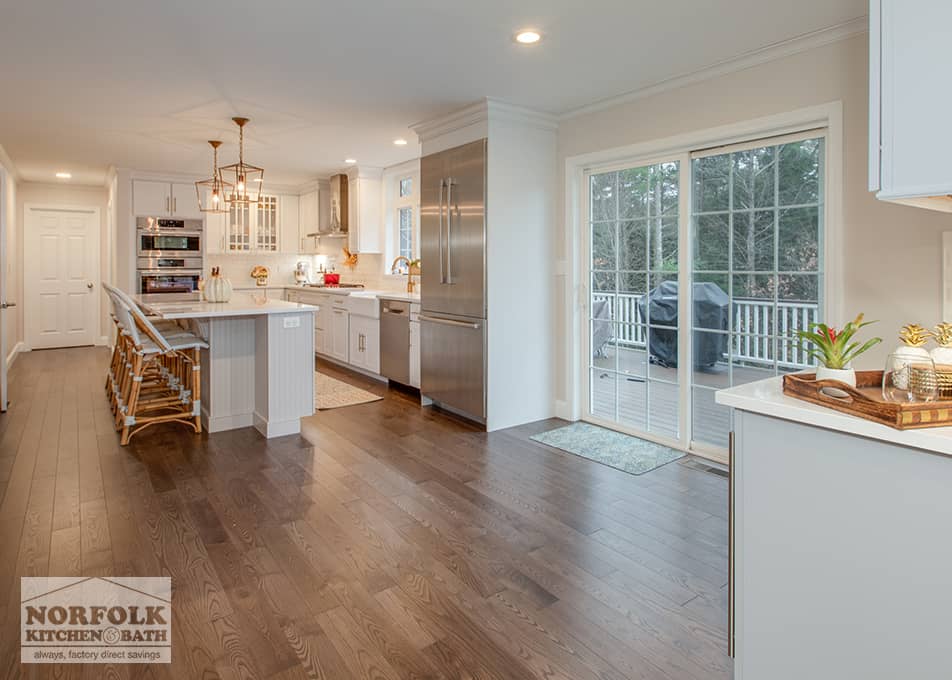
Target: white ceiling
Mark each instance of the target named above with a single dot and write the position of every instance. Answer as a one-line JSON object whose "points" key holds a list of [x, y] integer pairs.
{"points": [[144, 83]]}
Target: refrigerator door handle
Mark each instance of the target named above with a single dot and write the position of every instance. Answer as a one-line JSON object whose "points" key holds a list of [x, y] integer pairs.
{"points": [[442, 187], [449, 226], [449, 322]]}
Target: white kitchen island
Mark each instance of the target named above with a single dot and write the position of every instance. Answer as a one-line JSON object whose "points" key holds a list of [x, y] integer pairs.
{"points": [[259, 368], [841, 558]]}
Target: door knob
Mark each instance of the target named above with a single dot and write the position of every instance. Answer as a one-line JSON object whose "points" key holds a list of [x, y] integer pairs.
{"points": [[4, 305], [90, 286]]}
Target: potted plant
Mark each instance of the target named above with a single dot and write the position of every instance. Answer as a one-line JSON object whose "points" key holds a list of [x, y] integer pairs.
{"points": [[835, 349]]}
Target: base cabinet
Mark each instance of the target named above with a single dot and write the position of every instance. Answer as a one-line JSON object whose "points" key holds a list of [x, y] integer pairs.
{"points": [[841, 557], [365, 343], [340, 334]]}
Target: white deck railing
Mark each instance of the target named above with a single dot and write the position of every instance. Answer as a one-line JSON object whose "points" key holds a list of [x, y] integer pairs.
{"points": [[757, 327]]}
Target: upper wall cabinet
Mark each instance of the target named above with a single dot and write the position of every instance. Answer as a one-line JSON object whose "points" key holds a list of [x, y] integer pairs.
{"points": [[164, 199], [910, 144], [271, 225], [365, 210], [309, 222]]}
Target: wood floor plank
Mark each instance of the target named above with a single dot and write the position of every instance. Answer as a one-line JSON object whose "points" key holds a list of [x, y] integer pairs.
{"points": [[385, 541]]}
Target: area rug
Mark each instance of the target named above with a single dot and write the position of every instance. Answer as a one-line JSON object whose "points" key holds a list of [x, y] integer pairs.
{"points": [[620, 451], [333, 393]]}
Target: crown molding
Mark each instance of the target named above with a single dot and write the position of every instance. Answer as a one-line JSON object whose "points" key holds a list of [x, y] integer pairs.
{"points": [[482, 112], [779, 50]]}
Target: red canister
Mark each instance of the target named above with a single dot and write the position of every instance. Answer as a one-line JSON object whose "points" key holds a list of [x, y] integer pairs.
{"points": [[331, 279]]}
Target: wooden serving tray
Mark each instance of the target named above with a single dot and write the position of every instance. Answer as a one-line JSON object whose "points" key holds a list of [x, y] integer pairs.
{"points": [[866, 401]]}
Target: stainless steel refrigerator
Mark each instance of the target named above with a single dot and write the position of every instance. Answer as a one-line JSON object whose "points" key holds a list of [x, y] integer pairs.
{"points": [[453, 252]]}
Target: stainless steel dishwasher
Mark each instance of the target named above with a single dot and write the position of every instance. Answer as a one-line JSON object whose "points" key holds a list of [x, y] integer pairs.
{"points": [[395, 340]]}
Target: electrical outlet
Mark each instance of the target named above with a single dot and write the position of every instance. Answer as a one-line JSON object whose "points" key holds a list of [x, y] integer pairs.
{"points": [[292, 322]]}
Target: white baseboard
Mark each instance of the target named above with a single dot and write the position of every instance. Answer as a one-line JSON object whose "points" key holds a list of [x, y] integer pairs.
{"points": [[14, 353], [103, 341]]}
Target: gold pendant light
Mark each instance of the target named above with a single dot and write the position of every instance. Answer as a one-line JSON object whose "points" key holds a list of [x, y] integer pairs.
{"points": [[245, 179], [213, 192]]}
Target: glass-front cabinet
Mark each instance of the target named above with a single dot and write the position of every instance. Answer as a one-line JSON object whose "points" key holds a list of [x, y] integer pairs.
{"points": [[255, 227]]}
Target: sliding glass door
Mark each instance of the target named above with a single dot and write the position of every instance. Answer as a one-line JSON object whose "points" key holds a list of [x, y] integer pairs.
{"points": [[756, 263], [634, 222]]}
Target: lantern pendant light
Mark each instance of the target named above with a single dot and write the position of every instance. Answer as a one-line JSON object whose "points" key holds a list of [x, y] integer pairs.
{"points": [[245, 179], [213, 192]]}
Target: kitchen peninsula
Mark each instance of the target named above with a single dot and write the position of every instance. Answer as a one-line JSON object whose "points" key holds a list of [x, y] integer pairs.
{"points": [[839, 553], [259, 368]]}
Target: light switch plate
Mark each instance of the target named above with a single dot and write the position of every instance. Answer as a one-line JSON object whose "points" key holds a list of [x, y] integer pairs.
{"points": [[292, 322]]}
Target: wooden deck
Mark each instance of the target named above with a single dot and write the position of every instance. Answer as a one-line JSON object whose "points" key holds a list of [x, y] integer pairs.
{"points": [[648, 394]]}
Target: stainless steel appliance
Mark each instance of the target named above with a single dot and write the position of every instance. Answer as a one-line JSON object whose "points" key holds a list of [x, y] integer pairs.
{"points": [[169, 256], [453, 248], [395, 340], [162, 237]]}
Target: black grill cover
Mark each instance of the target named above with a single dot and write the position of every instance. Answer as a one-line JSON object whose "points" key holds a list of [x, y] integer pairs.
{"points": [[711, 310]]}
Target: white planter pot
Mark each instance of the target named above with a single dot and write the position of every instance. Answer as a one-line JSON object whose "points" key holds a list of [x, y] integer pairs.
{"points": [[844, 375]]}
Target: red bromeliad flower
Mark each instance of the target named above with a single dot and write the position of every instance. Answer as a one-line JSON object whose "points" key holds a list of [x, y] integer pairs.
{"points": [[832, 333]]}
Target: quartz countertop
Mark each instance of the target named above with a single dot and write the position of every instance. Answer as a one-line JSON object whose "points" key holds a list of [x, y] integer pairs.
{"points": [[766, 397], [241, 304]]}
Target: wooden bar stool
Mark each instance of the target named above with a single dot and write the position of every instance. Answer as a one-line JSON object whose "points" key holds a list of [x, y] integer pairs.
{"points": [[157, 377]]}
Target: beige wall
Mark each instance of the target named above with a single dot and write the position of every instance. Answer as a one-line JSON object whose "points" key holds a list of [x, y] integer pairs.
{"points": [[892, 254], [63, 194]]}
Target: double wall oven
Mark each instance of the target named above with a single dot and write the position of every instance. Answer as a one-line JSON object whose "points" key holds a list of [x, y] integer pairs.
{"points": [[168, 256]]}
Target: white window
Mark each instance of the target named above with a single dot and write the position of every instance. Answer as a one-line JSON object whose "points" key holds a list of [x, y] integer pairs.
{"points": [[403, 210]]}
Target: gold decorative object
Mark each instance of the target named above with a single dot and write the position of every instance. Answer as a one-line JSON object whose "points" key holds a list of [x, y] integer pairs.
{"points": [[942, 357], [246, 187], [216, 188], [350, 259], [914, 335], [260, 275], [943, 334]]}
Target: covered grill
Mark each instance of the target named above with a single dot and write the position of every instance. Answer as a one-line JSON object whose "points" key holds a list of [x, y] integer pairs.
{"points": [[711, 311]]}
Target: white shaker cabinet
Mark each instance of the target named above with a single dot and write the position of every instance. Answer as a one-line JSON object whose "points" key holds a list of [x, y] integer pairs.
{"points": [[309, 222], [415, 345], [365, 210], [152, 198], [909, 143], [340, 333], [365, 343]]}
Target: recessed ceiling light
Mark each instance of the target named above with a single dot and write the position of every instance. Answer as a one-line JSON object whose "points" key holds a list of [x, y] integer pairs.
{"points": [[63, 175], [400, 142], [528, 37], [350, 161]]}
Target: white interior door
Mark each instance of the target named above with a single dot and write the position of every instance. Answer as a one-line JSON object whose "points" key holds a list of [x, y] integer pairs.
{"points": [[61, 276], [3, 289]]}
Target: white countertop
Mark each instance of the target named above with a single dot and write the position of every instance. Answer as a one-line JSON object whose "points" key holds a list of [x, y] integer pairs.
{"points": [[766, 397], [241, 304]]}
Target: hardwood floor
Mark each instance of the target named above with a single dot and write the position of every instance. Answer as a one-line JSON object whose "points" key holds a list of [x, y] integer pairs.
{"points": [[386, 542]]}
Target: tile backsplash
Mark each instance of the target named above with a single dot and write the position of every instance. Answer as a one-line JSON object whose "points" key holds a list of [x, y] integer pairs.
{"points": [[237, 267]]}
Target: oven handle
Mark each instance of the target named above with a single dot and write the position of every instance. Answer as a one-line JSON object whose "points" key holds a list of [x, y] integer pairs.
{"points": [[170, 270], [145, 231]]}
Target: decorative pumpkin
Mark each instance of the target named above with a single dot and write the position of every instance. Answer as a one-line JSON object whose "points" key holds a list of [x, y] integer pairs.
{"points": [[350, 259], [217, 288]]}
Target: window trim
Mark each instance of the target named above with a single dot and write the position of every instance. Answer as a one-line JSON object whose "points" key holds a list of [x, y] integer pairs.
{"points": [[576, 292], [393, 202]]}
